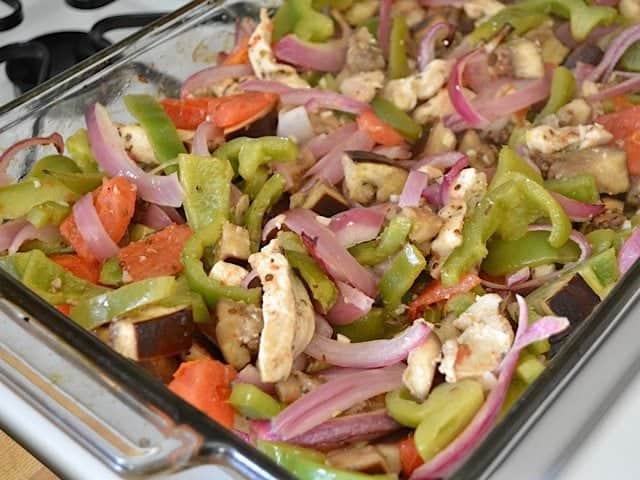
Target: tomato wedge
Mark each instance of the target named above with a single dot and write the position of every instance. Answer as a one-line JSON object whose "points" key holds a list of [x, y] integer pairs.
{"points": [[156, 255], [188, 113], [435, 292], [381, 132], [625, 125], [115, 203], [240, 53], [410, 459], [80, 267], [205, 384]]}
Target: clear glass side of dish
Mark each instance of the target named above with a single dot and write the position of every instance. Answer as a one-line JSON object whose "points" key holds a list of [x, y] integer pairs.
{"points": [[122, 415]]}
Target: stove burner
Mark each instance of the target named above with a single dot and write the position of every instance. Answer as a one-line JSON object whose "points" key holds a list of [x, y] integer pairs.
{"points": [[65, 49], [14, 18], [88, 4], [31, 63]]}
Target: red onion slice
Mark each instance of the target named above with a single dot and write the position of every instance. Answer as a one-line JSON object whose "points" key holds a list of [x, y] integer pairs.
{"points": [[211, 75], [330, 167], [8, 232], [307, 96], [323, 57], [348, 429], [48, 233], [91, 229], [372, 354], [322, 144], [205, 133], [432, 195], [445, 462], [155, 217], [54, 139], [412, 190], [440, 160], [108, 148], [326, 248], [295, 123], [251, 375], [384, 26], [616, 49], [324, 401], [450, 178], [520, 276], [350, 305], [577, 211], [464, 107], [630, 85], [629, 252], [427, 50], [323, 328], [356, 225]]}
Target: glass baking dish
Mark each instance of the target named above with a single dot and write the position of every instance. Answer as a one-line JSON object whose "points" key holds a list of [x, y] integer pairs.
{"points": [[112, 407]]}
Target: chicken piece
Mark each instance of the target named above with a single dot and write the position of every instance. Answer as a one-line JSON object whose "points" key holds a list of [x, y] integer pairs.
{"points": [[630, 9], [633, 195], [438, 107], [545, 139], [367, 182], [263, 60], [421, 367], [363, 86], [405, 92], [574, 113], [298, 384], [234, 243], [363, 53], [520, 58], [611, 217], [228, 274], [279, 313], [464, 194], [485, 339], [305, 317], [237, 331], [480, 154], [481, 9], [411, 10], [441, 139]]}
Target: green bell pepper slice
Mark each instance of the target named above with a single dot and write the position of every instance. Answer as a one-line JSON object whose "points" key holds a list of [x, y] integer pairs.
{"points": [[16, 200], [250, 401], [507, 209], [269, 194], [531, 250], [53, 163], [65, 170], [583, 18], [210, 289], [111, 273], [300, 17], [458, 304], [161, 132], [390, 242], [96, 311], [48, 279], [405, 268], [398, 65], [322, 288], [396, 118], [520, 19], [563, 88], [48, 213], [581, 187], [207, 186], [80, 151], [372, 326], [510, 161], [307, 464], [603, 239]]}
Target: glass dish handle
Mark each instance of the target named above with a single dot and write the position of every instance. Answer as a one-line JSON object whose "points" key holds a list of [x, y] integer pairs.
{"points": [[129, 436]]}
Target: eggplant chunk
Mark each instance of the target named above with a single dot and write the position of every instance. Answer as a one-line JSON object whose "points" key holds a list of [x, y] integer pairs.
{"points": [[573, 299], [153, 332], [322, 198], [607, 164], [238, 330], [162, 368], [368, 182], [369, 459]]}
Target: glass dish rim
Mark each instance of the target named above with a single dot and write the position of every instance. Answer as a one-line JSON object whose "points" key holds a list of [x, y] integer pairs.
{"points": [[502, 438]]}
